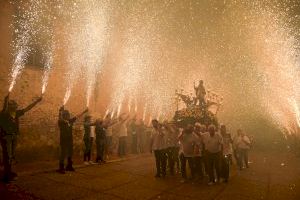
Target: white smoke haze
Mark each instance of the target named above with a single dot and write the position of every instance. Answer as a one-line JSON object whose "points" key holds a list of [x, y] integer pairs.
{"points": [[140, 52]]}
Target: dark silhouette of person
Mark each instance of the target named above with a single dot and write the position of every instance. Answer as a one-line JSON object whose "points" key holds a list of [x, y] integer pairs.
{"points": [[65, 123], [9, 131]]}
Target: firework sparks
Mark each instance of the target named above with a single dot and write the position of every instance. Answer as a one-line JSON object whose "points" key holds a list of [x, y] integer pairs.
{"points": [[25, 31], [48, 65]]}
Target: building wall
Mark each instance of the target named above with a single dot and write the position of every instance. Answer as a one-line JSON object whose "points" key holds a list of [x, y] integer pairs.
{"points": [[39, 130]]}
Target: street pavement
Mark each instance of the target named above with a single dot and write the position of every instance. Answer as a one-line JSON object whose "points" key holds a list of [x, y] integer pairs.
{"points": [[271, 176]]}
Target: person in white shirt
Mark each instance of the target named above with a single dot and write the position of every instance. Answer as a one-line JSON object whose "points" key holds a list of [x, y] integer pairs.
{"points": [[204, 133], [122, 125], [87, 139], [134, 135], [234, 146], [243, 144], [213, 145], [158, 147], [227, 153], [198, 152], [171, 145], [188, 140]]}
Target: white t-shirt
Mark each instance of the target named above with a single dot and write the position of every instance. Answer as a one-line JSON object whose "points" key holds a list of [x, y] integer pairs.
{"points": [[123, 129], [242, 142], [158, 140], [199, 146], [92, 134], [171, 139], [109, 131], [227, 145], [213, 144], [188, 144]]}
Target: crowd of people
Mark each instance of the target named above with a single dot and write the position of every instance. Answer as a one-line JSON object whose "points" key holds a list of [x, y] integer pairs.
{"points": [[205, 150], [202, 147]]}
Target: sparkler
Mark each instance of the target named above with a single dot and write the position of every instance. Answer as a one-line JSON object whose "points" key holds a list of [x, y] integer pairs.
{"points": [[18, 66], [67, 96], [135, 107], [144, 113], [129, 105], [48, 66], [26, 30], [297, 112], [119, 109]]}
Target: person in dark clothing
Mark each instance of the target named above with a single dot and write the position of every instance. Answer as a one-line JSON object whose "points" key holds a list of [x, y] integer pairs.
{"points": [[100, 141], [9, 128], [87, 139], [65, 123]]}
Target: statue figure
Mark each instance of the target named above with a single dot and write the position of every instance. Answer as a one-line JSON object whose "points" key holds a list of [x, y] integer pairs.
{"points": [[200, 94]]}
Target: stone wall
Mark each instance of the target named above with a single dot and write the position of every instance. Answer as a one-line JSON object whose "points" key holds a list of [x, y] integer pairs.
{"points": [[39, 130]]}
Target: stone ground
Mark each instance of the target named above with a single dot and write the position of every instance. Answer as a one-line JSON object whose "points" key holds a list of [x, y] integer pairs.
{"points": [[270, 176]]}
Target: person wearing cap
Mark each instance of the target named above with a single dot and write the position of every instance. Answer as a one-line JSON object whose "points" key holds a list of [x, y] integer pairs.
{"points": [[87, 139], [213, 145], [65, 123], [9, 125]]}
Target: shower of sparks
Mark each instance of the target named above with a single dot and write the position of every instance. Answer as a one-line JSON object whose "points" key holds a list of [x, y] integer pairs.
{"points": [[129, 105], [106, 113], [25, 30], [297, 112], [48, 66], [18, 66], [96, 34], [144, 112], [247, 51], [113, 113], [67, 96], [135, 106], [119, 110]]}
